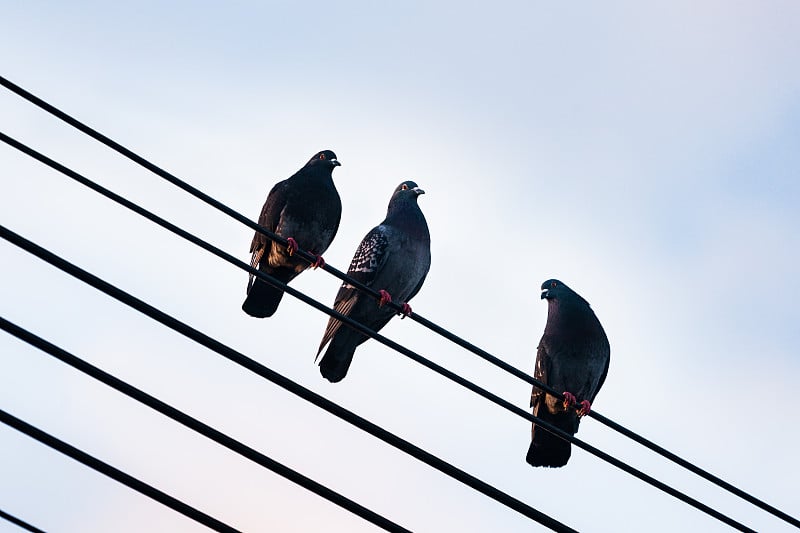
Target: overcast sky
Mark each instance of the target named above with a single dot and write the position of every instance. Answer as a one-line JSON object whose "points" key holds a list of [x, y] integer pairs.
{"points": [[646, 154]]}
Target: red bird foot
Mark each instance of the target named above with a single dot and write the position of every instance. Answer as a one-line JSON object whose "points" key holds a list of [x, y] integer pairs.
{"points": [[291, 246], [585, 408], [386, 298], [406, 310], [569, 400], [320, 262]]}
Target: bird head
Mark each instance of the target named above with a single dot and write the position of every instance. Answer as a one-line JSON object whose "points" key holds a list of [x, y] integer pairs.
{"points": [[408, 188], [552, 288], [408, 191], [325, 157], [554, 291]]}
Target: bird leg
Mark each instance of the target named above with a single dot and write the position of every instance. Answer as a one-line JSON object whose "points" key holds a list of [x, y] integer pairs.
{"points": [[320, 262], [569, 400], [291, 246], [406, 310], [386, 298]]}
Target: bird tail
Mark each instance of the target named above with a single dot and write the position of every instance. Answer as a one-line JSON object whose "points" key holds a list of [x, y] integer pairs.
{"points": [[547, 449], [336, 362], [262, 298]]}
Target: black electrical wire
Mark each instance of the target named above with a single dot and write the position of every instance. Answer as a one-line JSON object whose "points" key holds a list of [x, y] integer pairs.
{"points": [[249, 363], [414, 316], [21, 523], [113, 473], [194, 424], [347, 320], [280, 380]]}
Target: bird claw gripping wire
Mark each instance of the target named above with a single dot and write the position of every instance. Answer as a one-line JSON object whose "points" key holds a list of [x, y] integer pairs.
{"points": [[569, 400], [386, 298], [291, 246], [406, 310], [319, 262]]}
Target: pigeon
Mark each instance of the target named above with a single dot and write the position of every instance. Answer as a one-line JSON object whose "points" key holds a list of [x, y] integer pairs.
{"points": [[305, 210], [393, 258], [572, 357]]}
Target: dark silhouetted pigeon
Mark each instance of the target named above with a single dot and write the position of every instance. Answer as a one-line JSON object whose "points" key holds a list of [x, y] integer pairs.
{"points": [[573, 357], [394, 259], [304, 209]]}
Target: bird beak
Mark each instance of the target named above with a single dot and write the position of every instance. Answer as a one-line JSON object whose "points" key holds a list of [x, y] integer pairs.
{"points": [[335, 163], [418, 191], [545, 293]]}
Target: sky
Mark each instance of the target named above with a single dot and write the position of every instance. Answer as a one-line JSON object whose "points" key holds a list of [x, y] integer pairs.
{"points": [[646, 154]]}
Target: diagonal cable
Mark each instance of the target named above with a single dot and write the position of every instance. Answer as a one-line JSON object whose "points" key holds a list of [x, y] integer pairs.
{"points": [[18, 522], [280, 380], [194, 424], [414, 316], [356, 325], [158, 315], [114, 473]]}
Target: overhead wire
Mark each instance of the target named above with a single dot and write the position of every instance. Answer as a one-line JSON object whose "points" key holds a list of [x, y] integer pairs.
{"points": [[394, 305], [19, 522], [282, 381], [114, 473], [356, 325], [198, 426]]}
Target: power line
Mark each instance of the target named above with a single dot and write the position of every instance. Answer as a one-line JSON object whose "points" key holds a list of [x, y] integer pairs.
{"points": [[171, 322], [194, 424], [416, 357], [113, 473], [414, 316], [21, 523], [356, 325], [280, 380]]}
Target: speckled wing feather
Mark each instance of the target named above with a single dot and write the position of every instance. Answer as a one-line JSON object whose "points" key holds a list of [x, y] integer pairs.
{"points": [[367, 261], [369, 257]]}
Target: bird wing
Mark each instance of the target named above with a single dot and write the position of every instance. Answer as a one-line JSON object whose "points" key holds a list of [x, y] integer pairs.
{"points": [[270, 213], [370, 256], [542, 370], [269, 218], [343, 306]]}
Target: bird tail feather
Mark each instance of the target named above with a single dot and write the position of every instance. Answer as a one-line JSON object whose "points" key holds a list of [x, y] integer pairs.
{"points": [[547, 449], [343, 306], [336, 362], [262, 300]]}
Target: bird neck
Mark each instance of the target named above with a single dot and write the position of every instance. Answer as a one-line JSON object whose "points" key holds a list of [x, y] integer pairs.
{"points": [[578, 315], [408, 216], [318, 174]]}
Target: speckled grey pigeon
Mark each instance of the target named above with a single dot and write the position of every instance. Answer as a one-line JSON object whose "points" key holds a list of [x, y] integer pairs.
{"points": [[305, 209], [573, 358], [394, 259]]}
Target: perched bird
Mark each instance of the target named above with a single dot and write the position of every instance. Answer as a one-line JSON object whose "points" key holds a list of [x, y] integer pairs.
{"points": [[572, 357], [304, 209], [394, 259]]}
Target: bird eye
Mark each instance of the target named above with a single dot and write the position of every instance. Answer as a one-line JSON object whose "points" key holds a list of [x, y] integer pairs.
{"points": [[322, 156], [404, 187], [553, 284]]}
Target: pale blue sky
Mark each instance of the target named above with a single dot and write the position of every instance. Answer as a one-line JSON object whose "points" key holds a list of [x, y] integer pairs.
{"points": [[647, 155]]}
